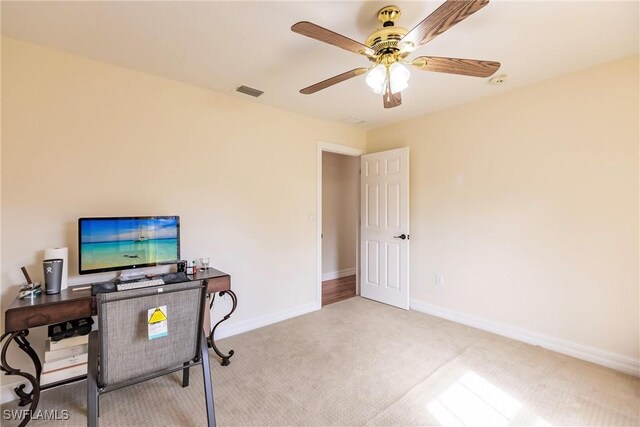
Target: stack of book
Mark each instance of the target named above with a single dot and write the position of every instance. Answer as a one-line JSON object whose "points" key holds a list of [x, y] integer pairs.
{"points": [[64, 359]]}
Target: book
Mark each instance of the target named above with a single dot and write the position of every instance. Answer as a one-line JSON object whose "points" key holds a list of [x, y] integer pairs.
{"points": [[68, 342], [64, 353], [64, 363], [63, 374]]}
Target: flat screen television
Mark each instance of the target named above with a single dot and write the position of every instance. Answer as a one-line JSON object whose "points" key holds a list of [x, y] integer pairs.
{"points": [[121, 243]]}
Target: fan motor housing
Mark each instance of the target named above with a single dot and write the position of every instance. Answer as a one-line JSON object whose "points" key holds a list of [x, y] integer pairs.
{"points": [[385, 40]]}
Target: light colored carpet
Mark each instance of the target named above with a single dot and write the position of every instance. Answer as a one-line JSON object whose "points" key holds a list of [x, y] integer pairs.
{"points": [[358, 362]]}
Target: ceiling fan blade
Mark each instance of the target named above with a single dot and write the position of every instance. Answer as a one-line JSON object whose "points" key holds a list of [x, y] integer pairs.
{"points": [[446, 16], [333, 80], [390, 99], [319, 33], [467, 67]]}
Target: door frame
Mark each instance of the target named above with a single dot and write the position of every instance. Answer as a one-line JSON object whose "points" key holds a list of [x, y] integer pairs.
{"points": [[346, 150]]}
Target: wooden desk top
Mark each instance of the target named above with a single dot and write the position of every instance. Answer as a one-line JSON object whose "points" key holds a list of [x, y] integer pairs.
{"points": [[70, 305]]}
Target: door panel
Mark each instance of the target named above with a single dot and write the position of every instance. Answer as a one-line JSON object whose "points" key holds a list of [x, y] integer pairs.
{"points": [[393, 265], [373, 263], [393, 166], [393, 206], [373, 205], [372, 168], [385, 216]]}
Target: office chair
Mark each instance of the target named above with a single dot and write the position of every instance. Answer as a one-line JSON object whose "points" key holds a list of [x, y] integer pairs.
{"points": [[121, 352]]}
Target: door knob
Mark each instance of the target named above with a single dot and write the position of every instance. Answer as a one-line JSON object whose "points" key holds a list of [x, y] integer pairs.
{"points": [[402, 236]]}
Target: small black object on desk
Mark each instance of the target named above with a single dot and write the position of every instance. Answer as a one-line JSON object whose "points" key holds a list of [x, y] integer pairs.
{"points": [[103, 287]]}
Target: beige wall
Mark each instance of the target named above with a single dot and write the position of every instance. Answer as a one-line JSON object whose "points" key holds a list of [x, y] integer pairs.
{"points": [[84, 138], [339, 210], [527, 203]]}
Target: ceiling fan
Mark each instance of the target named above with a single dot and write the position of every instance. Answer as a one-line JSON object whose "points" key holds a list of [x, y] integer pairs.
{"points": [[388, 47]]}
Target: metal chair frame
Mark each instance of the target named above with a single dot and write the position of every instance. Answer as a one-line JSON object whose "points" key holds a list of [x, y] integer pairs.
{"points": [[95, 389]]}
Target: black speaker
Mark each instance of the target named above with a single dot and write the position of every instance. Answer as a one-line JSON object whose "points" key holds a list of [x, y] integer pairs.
{"points": [[181, 266]]}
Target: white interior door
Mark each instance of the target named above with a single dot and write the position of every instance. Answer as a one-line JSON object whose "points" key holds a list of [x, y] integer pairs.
{"points": [[384, 227]]}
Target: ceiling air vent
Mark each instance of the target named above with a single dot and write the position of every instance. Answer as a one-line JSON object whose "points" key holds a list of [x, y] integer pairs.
{"points": [[353, 120], [249, 91]]}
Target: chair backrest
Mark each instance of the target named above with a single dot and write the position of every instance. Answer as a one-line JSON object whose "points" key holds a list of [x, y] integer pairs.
{"points": [[126, 350]]}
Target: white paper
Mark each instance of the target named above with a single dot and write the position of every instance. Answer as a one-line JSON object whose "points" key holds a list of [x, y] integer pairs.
{"points": [[157, 328]]}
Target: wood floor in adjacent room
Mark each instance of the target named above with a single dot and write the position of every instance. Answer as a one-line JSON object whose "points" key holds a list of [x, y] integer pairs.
{"points": [[338, 289], [358, 362]]}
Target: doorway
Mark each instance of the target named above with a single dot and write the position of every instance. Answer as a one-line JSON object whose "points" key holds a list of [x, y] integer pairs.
{"points": [[338, 222]]}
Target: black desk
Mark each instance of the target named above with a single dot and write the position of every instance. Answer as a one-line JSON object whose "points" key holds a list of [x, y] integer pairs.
{"points": [[43, 310]]}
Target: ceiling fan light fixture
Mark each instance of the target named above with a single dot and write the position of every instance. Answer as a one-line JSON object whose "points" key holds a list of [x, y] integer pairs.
{"points": [[377, 78], [387, 48], [399, 75]]}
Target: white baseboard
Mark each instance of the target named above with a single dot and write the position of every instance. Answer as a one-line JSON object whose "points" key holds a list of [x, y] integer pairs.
{"points": [[6, 391], [610, 360], [338, 274], [265, 320], [7, 394]]}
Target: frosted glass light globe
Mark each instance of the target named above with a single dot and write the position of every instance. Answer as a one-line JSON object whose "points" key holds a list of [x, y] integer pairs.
{"points": [[376, 79], [399, 75]]}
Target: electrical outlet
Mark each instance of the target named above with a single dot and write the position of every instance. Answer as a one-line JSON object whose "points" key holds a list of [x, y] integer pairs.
{"points": [[439, 280]]}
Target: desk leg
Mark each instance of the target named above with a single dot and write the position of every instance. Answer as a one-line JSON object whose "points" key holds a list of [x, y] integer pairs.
{"points": [[24, 345], [211, 341]]}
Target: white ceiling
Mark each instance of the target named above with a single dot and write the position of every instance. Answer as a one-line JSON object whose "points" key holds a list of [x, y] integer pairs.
{"points": [[221, 45]]}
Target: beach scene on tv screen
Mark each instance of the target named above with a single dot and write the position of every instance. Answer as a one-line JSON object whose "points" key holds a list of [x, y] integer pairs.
{"points": [[124, 242]]}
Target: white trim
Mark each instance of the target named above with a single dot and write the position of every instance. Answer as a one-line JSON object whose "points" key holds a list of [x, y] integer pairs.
{"points": [[339, 149], [6, 391], [614, 361], [358, 213], [264, 320], [331, 275]]}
